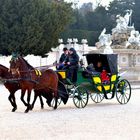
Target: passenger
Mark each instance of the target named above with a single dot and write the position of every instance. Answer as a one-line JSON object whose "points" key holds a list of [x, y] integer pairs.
{"points": [[91, 70], [105, 77], [90, 67], [99, 67], [72, 62], [63, 59]]}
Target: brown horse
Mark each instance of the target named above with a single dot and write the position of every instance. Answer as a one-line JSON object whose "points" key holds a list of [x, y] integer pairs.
{"points": [[12, 87], [46, 82]]}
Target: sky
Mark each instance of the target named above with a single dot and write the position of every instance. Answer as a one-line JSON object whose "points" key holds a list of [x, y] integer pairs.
{"points": [[80, 2]]}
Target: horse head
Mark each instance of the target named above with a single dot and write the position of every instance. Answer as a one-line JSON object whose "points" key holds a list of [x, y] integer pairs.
{"points": [[15, 66], [19, 66]]}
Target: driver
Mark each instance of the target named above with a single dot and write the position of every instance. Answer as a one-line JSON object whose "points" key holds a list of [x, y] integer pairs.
{"points": [[72, 62]]}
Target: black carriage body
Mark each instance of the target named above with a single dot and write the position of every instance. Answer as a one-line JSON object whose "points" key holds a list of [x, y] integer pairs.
{"points": [[109, 61]]}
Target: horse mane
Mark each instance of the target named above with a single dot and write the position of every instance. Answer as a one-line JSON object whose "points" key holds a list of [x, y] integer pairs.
{"points": [[3, 67], [4, 72], [28, 65]]}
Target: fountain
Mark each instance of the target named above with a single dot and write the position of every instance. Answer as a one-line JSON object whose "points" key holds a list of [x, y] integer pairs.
{"points": [[125, 41]]}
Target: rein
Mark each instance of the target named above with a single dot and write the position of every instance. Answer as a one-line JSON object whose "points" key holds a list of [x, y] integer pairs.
{"points": [[45, 66]]}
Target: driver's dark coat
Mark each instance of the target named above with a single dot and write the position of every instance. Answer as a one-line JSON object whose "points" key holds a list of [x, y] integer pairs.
{"points": [[73, 59], [63, 58]]}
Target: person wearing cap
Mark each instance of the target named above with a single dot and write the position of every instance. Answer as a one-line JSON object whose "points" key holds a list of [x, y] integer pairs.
{"points": [[72, 62], [63, 58]]}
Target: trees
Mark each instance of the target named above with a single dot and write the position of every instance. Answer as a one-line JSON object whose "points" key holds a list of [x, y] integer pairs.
{"points": [[85, 8], [120, 6], [98, 19], [34, 26], [136, 15], [90, 24], [31, 26]]}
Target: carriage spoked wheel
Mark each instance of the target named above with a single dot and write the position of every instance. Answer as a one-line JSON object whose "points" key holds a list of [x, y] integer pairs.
{"points": [[97, 97], [123, 91], [53, 102], [80, 97]]}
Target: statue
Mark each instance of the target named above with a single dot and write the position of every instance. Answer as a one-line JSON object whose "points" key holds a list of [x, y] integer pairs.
{"points": [[122, 22], [127, 17], [134, 39], [102, 37], [105, 40]]}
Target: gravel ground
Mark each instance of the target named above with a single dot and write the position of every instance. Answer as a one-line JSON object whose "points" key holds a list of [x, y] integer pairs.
{"points": [[105, 121]]}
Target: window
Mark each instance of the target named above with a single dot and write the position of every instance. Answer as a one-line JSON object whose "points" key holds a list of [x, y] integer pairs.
{"points": [[123, 59]]}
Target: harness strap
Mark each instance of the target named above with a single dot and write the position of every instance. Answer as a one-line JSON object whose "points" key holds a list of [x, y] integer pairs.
{"points": [[38, 72]]}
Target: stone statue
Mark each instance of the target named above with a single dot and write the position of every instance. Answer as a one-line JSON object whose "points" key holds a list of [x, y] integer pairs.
{"points": [[128, 16], [122, 22], [102, 37], [105, 40], [108, 42], [134, 39]]}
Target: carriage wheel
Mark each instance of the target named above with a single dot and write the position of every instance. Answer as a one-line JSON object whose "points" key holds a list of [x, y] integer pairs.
{"points": [[53, 102], [80, 97], [97, 97], [123, 91]]}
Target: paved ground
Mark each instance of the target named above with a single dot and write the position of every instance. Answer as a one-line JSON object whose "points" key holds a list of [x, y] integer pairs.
{"points": [[105, 121]]}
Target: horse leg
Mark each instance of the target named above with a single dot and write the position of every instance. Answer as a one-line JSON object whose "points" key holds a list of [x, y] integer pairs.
{"points": [[41, 101], [49, 99], [28, 101], [56, 99], [12, 101], [36, 94], [22, 97], [35, 97]]}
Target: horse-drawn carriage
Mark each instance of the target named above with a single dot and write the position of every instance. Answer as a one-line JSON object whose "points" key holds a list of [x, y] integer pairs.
{"points": [[92, 85], [56, 86]]}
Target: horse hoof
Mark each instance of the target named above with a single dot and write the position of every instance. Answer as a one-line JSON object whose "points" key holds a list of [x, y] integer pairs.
{"points": [[49, 103], [14, 109], [55, 108], [26, 111], [42, 107], [31, 107]]}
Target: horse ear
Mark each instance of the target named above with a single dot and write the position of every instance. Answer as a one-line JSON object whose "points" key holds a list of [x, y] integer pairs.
{"points": [[15, 55]]}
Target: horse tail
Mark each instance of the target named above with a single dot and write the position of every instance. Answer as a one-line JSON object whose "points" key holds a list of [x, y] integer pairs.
{"points": [[62, 92]]}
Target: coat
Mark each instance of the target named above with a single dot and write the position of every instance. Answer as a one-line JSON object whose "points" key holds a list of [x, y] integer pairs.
{"points": [[73, 59], [63, 58], [104, 76]]}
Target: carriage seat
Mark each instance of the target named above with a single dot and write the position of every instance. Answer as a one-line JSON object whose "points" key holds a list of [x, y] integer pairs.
{"points": [[62, 74], [99, 85]]}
